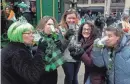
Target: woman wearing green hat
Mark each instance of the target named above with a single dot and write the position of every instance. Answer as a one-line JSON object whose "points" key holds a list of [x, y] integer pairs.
{"points": [[18, 64], [25, 12]]}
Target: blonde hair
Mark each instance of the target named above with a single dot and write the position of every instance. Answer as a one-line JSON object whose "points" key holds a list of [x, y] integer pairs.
{"points": [[63, 23]]}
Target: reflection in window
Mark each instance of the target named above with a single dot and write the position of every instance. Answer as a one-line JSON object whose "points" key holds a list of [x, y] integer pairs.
{"points": [[83, 1], [115, 11], [98, 1], [118, 1]]}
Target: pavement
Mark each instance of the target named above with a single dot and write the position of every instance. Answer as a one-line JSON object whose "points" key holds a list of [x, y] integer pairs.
{"points": [[61, 75]]}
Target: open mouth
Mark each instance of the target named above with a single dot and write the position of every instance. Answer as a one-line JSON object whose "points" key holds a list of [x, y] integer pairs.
{"points": [[86, 33]]}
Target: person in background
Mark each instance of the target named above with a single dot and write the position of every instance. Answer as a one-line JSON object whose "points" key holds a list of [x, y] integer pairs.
{"points": [[100, 23], [48, 30], [113, 52], [18, 64], [90, 14], [87, 34], [33, 11], [110, 20], [82, 20], [71, 66], [10, 15], [118, 15], [125, 23], [16, 10], [25, 12]]}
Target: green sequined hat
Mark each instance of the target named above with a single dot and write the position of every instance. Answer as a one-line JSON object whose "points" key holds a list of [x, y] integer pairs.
{"points": [[23, 5]]}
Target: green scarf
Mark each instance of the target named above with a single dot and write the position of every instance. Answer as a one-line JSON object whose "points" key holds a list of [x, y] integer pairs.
{"points": [[53, 55]]}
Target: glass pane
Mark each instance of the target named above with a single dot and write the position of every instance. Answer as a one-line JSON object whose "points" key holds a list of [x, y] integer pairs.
{"points": [[83, 1], [98, 1], [118, 1]]}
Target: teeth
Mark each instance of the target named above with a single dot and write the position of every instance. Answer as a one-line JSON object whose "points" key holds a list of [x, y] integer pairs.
{"points": [[85, 33]]}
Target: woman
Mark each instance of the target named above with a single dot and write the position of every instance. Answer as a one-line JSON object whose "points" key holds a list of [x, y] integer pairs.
{"points": [[47, 28], [125, 23], [18, 64], [71, 67], [87, 35], [25, 12], [10, 15]]}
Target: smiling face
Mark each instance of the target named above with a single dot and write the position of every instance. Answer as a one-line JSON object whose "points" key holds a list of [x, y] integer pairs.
{"points": [[47, 28], [71, 18], [86, 31]]}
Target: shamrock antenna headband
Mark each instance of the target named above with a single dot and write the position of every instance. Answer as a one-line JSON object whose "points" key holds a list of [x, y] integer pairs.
{"points": [[22, 20]]}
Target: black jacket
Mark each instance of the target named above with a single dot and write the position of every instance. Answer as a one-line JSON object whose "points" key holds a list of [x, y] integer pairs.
{"points": [[28, 16], [19, 66]]}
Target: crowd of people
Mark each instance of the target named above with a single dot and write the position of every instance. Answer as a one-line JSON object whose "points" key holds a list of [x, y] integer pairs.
{"points": [[104, 50], [10, 14]]}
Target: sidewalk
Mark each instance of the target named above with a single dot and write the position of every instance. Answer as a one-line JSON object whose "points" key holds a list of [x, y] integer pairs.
{"points": [[80, 75]]}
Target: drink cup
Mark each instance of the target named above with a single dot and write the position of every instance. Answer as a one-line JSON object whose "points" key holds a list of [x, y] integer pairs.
{"points": [[37, 37], [72, 26], [102, 41], [53, 28]]}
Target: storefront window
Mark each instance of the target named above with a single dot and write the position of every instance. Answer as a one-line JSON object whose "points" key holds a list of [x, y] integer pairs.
{"points": [[83, 1], [115, 11], [118, 1], [98, 1]]}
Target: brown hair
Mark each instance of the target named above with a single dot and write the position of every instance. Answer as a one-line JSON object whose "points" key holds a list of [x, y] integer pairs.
{"points": [[117, 31], [63, 23], [43, 22], [125, 17], [9, 8]]}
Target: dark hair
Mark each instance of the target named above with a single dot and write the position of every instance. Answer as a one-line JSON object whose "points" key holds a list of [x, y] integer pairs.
{"points": [[94, 32], [100, 23], [125, 16], [117, 31], [9, 8]]}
